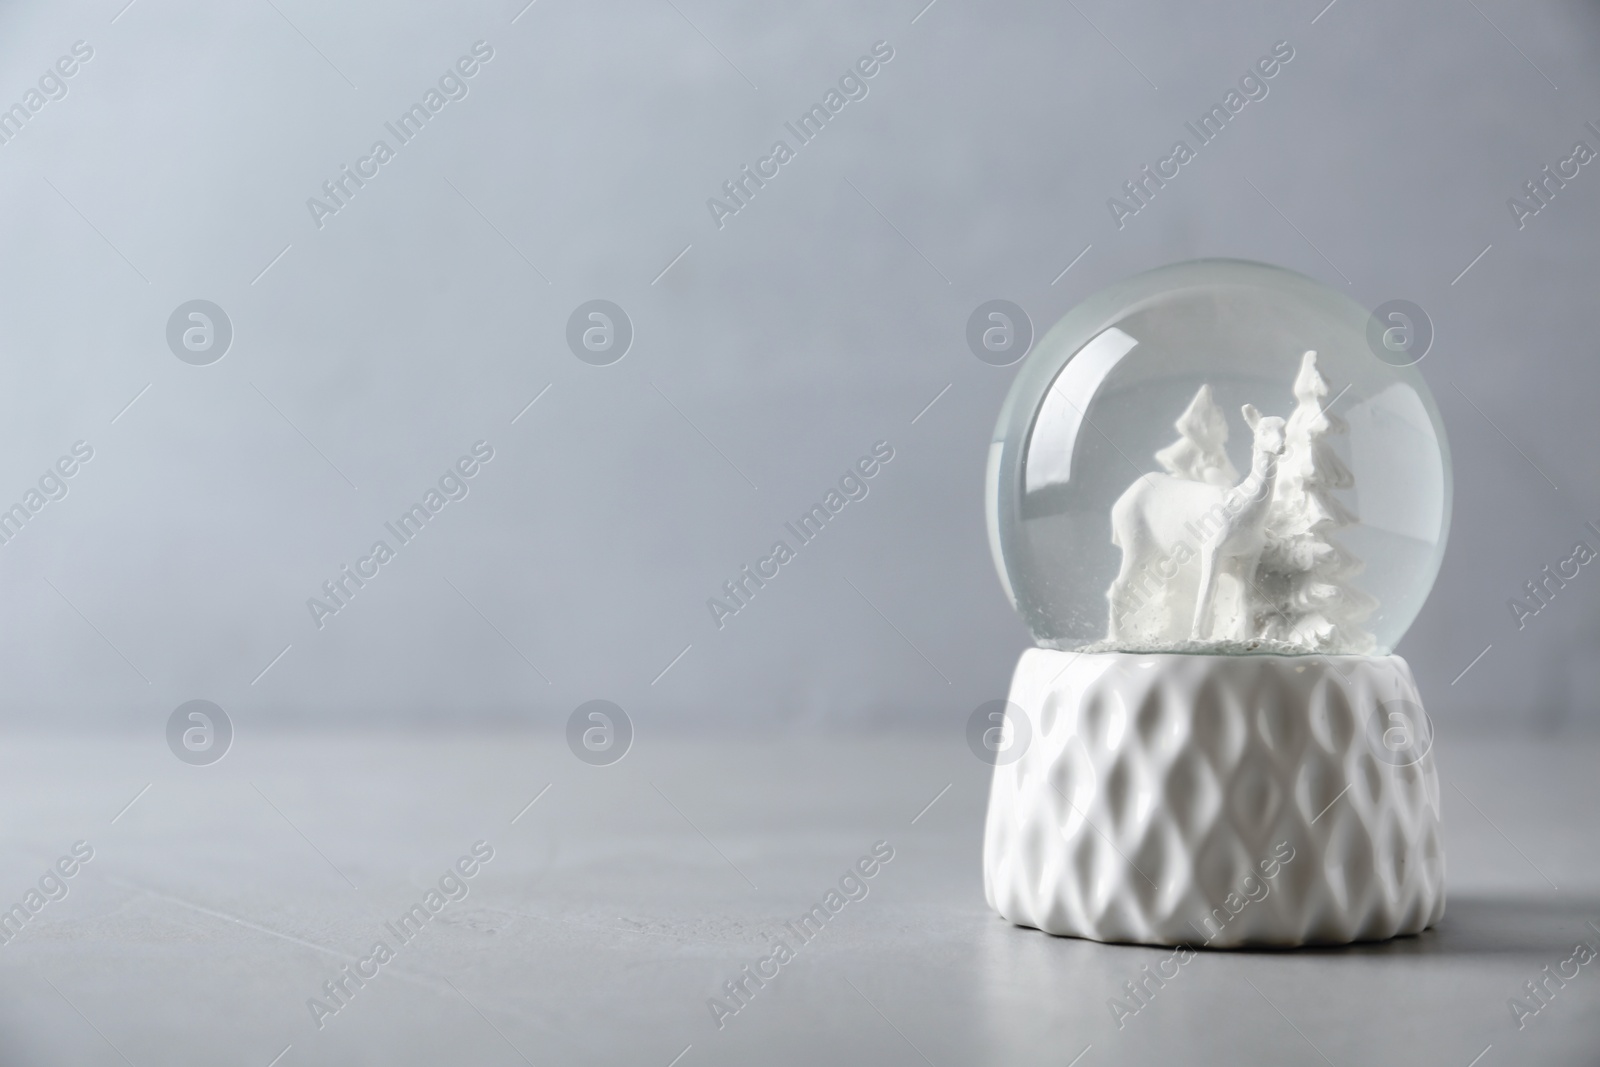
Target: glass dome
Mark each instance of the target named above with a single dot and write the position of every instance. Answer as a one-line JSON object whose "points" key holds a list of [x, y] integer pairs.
{"points": [[1211, 457]]}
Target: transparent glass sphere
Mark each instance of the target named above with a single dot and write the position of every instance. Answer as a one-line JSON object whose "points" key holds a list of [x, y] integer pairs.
{"points": [[1212, 457]]}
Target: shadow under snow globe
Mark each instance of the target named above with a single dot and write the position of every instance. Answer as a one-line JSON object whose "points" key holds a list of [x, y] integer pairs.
{"points": [[1218, 508]]}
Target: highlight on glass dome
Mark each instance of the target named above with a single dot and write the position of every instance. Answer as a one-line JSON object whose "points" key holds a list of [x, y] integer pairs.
{"points": [[1210, 458]]}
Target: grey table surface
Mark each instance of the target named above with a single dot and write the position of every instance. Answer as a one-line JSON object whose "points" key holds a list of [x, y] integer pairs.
{"points": [[220, 901]]}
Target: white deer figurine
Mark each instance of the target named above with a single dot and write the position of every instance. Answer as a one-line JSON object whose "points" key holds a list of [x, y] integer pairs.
{"points": [[1167, 527], [1235, 547]]}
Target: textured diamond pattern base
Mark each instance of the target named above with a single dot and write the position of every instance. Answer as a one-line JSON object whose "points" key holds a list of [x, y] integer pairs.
{"points": [[1223, 801]]}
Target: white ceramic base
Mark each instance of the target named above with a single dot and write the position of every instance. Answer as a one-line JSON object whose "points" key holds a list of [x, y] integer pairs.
{"points": [[1218, 801]]}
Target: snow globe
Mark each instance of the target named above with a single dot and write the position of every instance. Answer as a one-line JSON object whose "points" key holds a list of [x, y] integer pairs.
{"points": [[1218, 508]]}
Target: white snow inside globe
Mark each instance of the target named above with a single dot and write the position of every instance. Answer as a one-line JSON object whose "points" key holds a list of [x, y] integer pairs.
{"points": [[1210, 458]]}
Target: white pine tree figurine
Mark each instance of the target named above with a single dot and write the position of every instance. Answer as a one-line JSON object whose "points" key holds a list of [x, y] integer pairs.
{"points": [[1304, 576], [1200, 454]]}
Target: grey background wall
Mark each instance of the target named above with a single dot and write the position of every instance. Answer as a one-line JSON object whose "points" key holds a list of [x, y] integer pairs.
{"points": [[371, 352]]}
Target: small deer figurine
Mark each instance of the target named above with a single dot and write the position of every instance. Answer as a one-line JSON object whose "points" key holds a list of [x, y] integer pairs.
{"points": [[1235, 546], [1164, 523]]}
